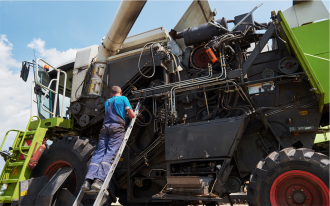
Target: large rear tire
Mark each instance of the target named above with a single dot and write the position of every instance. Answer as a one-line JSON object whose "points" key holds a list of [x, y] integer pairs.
{"points": [[290, 176], [73, 152]]}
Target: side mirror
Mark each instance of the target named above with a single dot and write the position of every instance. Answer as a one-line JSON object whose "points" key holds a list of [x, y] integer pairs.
{"points": [[25, 70]]}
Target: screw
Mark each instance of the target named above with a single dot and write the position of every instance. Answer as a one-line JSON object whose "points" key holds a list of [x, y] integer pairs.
{"points": [[289, 196], [292, 189], [302, 190]]}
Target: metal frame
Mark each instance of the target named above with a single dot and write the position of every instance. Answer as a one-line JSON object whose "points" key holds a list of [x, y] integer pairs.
{"points": [[50, 90]]}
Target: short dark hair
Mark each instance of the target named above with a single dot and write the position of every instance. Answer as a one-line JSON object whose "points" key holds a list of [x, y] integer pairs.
{"points": [[115, 90]]}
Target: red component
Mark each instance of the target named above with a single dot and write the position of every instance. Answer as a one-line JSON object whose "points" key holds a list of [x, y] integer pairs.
{"points": [[298, 187], [72, 179], [36, 156], [28, 142], [198, 58], [211, 55]]}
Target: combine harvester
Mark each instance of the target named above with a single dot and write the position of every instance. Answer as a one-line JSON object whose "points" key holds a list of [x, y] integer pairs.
{"points": [[221, 110]]}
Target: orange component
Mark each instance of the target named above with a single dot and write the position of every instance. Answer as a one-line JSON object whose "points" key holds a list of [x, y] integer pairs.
{"points": [[211, 55], [46, 66]]}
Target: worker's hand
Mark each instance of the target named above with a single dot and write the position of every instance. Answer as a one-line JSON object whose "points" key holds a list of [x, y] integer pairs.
{"points": [[130, 113]]}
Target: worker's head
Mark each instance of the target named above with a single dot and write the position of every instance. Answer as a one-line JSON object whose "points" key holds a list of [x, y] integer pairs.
{"points": [[115, 91]]}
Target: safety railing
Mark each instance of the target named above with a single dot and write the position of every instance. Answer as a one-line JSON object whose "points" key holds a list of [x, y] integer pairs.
{"points": [[4, 139], [22, 140], [27, 128], [48, 89]]}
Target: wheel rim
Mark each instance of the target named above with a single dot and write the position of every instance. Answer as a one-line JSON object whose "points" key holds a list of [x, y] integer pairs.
{"points": [[70, 182], [298, 187]]}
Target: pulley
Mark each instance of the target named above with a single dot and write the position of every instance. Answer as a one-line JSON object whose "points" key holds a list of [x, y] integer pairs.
{"points": [[76, 107], [84, 120], [267, 73], [288, 65], [99, 103]]}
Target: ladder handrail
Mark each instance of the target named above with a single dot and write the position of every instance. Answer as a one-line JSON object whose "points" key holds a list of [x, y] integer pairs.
{"points": [[11, 130], [48, 88], [27, 127]]}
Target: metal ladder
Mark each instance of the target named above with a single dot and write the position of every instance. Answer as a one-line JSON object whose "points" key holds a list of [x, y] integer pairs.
{"points": [[103, 191]]}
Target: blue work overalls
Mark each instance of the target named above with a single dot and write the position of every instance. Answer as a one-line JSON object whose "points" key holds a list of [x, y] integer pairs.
{"points": [[110, 139]]}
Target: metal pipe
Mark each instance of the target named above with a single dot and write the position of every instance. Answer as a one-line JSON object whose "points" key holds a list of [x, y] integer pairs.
{"points": [[121, 25]]}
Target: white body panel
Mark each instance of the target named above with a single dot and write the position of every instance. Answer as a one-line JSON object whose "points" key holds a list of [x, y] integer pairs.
{"points": [[81, 64]]}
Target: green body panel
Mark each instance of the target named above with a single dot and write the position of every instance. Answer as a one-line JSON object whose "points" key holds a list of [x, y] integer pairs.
{"points": [[54, 122], [16, 170], [325, 137], [310, 44], [304, 41]]}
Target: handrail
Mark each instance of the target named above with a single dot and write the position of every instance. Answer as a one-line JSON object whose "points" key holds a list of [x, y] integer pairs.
{"points": [[12, 130], [48, 88], [27, 127]]}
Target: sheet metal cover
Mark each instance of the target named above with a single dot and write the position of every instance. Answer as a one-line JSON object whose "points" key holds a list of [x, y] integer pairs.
{"points": [[202, 139]]}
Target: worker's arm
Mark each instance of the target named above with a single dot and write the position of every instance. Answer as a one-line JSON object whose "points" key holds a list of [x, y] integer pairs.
{"points": [[130, 113], [128, 108]]}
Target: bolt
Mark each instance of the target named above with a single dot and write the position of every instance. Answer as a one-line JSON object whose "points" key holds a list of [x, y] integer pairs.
{"points": [[292, 189], [307, 198], [303, 204], [294, 205], [302, 190], [289, 196]]}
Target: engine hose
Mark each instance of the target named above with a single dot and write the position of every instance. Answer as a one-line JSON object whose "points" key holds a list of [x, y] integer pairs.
{"points": [[234, 105], [197, 116], [144, 124]]}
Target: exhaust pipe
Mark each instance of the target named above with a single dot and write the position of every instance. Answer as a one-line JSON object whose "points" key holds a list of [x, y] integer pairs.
{"points": [[121, 25]]}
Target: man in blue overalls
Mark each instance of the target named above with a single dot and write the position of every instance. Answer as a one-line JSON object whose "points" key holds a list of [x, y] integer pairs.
{"points": [[110, 139]]}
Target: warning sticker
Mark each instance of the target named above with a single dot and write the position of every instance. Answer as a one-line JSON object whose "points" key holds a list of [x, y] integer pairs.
{"points": [[23, 193], [303, 113], [15, 172]]}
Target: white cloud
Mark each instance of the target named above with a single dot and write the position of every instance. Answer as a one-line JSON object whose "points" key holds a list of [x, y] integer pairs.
{"points": [[52, 56], [15, 93]]}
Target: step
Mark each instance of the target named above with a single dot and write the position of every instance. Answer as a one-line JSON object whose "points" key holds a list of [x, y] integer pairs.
{"points": [[5, 197], [28, 133], [23, 148], [9, 181], [95, 192], [13, 164]]}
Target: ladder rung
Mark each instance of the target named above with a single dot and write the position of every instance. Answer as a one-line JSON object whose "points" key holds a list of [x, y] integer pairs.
{"points": [[15, 164], [23, 148], [28, 133], [5, 197], [9, 181], [94, 192]]}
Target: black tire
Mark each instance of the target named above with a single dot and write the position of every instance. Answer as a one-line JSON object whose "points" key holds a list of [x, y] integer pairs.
{"points": [[73, 150], [279, 162]]}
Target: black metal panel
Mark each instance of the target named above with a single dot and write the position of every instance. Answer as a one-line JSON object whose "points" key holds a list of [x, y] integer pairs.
{"points": [[29, 190], [65, 197], [120, 71], [202, 139], [46, 194], [258, 48], [243, 27]]}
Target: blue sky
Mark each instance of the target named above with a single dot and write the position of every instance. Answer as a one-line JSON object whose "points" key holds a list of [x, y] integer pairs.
{"points": [[57, 28]]}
